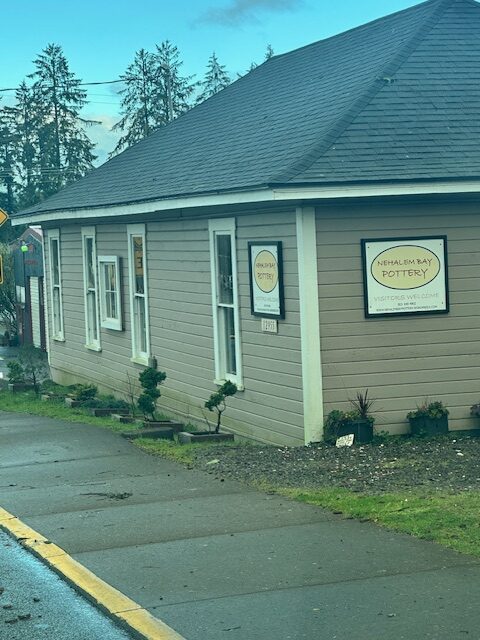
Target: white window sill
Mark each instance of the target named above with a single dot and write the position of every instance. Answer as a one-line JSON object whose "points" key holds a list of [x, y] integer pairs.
{"points": [[93, 347], [58, 338], [138, 360], [114, 325], [240, 386]]}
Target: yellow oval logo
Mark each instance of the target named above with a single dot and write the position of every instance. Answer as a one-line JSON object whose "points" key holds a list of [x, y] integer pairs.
{"points": [[405, 266], [265, 271]]}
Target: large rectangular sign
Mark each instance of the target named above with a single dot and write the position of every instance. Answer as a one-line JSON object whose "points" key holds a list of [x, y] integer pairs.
{"points": [[405, 275], [266, 279]]}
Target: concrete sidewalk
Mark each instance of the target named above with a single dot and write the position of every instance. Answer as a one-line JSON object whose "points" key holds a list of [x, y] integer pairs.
{"points": [[215, 560]]}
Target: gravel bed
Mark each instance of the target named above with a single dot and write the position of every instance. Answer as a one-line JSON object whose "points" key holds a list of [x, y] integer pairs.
{"points": [[449, 463]]}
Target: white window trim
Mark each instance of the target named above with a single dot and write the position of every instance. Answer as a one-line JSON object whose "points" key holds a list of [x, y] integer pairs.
{"points": [[225, 226], [106, 322], [90, 232], [135, 230], [59, 335]]}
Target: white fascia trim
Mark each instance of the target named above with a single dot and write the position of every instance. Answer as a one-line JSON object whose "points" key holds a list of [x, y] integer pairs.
{"points": [[279, 194], [312, 382]]}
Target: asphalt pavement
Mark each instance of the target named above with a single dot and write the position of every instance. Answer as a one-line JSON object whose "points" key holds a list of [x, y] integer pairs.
{"points": [[216, 560], [35, 604]]}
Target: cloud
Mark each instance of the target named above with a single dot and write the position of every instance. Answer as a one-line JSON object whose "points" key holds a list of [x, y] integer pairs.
{"points": [[101, 135], [241, 11]]}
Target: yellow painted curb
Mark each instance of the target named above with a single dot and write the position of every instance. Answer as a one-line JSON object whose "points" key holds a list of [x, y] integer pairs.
{"points": [[118, 606]]}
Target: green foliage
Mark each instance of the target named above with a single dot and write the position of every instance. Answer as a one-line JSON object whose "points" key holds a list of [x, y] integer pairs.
{"points": [[57, 390], [31, 367], [15, 371], [84, 392], [154, 94], [150, 379], [338, 421], [216, 401], [8, 316], [475, 410], [362, 404], [429, 410], [106, 402], [216, 79]]}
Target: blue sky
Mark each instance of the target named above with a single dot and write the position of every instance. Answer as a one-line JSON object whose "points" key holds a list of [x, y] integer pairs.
{"points": [[99, 39]]}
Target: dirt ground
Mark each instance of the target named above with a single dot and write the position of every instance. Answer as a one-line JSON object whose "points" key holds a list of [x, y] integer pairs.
{"points": [[449, 463]]}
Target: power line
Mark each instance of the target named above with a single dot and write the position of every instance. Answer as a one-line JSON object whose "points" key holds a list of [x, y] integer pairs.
{"points": [[80, 84]]}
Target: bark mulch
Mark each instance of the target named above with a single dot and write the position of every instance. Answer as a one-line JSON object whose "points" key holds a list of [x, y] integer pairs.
{"points": [[396, 464]]}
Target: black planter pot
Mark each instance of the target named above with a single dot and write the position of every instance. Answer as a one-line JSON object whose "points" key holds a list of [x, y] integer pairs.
{"points": [[425, 426], [361, 429]]}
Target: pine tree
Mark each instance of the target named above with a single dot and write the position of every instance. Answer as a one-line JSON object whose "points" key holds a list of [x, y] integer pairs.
{"points": [[269, 52], [8, 156], [27, 125], [216, 79], [65, 151], [139, 107], [174, 91]]}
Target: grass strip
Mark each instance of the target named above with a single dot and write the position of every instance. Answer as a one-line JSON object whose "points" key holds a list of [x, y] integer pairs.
{"points": [[449, 519]]}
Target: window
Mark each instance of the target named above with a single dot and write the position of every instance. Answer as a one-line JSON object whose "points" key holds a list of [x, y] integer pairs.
{"points": [[56, 284], [90, 280], [110, 301], [138, 292], [226, 322]]}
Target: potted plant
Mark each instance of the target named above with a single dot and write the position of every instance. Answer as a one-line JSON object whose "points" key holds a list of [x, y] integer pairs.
{"points": [[358, 421], [150, 379], [81, 394], [217, 404], [28, 370], [475, 410], [16, 377], [429, 419], [106, 405]]}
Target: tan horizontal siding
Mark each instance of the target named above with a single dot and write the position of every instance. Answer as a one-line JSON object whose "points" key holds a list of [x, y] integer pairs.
{"points": [[401, 360]]}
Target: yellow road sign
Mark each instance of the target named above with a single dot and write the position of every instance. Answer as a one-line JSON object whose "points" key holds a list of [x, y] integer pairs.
{"points": [[3, 217]]}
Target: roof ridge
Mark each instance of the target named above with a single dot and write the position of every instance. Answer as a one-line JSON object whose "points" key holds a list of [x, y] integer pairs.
{"points": [[339, 126]]}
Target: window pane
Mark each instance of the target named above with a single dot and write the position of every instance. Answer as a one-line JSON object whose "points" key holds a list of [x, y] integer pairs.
{"points": [[140, 325], [90, 264], [225, 277], [111, 310], [56, 311], [55, 262], [138, 264], [92, 326], [228, 323]]}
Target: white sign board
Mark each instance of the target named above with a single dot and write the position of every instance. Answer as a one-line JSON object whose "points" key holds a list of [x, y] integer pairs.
{"points": [[266, 279], [345, 441], [405, 276]]}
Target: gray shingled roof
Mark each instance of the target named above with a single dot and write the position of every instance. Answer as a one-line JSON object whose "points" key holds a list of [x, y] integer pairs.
{"points": [[396, 99]]}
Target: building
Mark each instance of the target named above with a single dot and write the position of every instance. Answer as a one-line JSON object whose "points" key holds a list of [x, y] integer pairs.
{"points": [[354, 164]]}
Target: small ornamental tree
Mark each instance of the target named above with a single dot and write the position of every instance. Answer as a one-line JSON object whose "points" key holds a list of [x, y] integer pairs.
{"points": [[150, 379], [217, 403]]}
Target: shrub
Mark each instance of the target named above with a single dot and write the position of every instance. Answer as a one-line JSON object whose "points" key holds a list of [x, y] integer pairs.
{"points": [[34, 364], [15, 372], [150, 379], [106, 402], [217, 403], [429, 410], [84, 392]]}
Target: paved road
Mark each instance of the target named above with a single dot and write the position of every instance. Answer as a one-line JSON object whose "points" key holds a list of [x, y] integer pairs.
{"points": [[216, 560], [35, 604]]}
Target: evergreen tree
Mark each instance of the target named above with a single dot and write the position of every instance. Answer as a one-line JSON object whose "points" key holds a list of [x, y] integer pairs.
{"points": [[140, 105], [8, 156], [174, 91], [216, 79], [65, 151], [27, 125], [269, 52]]}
